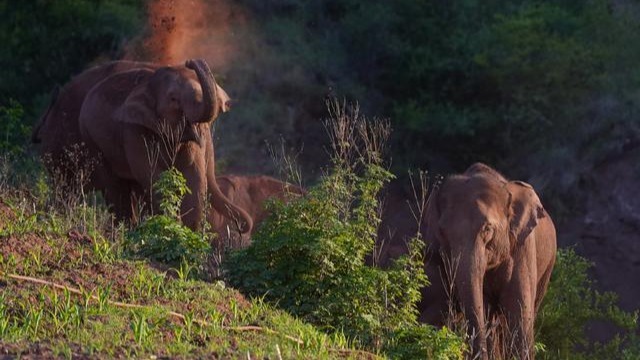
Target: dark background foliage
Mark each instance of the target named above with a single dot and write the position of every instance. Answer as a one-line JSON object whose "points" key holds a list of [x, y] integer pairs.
{"points": [[512, 83]]}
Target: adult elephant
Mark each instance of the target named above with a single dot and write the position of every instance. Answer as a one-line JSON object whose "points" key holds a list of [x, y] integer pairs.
{"points": [[501, 244], [250, 193], [57, 131], [138, 123]]}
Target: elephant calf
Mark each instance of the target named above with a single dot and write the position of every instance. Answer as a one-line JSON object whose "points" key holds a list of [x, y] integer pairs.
{"points": [[250, 193], [499, 245]]}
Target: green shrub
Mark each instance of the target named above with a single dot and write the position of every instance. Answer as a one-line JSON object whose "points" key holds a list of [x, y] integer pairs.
{"points": [[571, 304], [46, 42], [426, 342], [162, 237], [13, 130], [309, 256]]}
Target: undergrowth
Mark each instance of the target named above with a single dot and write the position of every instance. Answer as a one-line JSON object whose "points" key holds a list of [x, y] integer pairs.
{"points": [[69, 289], [569, 308], [162, 237], [69, 285], [309, 257]]}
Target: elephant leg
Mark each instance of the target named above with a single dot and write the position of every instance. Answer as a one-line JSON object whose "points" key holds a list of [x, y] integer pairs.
{"points": [[518, 304], [542, 287], [190, 161], [145, 167], [117, 194], [436, 299]]}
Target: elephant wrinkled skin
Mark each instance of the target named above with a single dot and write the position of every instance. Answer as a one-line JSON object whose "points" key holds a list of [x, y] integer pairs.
{"points": [[500, 243], [137, 119]]}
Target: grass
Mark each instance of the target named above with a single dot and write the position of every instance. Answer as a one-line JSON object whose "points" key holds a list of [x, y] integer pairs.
{"points": [[67, 291]]}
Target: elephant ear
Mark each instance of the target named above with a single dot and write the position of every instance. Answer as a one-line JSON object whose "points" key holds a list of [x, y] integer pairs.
{"points": [[223, 99], [139, 109], [430, 227], [525, 210]]}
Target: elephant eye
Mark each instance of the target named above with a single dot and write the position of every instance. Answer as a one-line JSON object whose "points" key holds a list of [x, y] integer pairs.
{"points": [[487, 232]]}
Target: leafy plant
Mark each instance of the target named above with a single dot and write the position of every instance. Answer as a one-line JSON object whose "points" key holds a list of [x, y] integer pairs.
{"points": [[13, 130], [309, 256], [172, 186], [569, 307], [162, 237], [426, 342]]}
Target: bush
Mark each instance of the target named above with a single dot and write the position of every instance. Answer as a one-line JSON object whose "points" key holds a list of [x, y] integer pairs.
{"points": [[13, 131], [571, 304], [309, 256], [46, 42], [162, 237], [426, 342]]}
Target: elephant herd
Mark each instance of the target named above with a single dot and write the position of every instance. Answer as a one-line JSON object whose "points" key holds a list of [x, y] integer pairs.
{"points": [[491, 244]]}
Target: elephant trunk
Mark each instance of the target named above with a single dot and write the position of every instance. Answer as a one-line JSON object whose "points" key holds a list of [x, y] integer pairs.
{"points": [[210, 106], [228, 209], [469, 285], [220, 202]]}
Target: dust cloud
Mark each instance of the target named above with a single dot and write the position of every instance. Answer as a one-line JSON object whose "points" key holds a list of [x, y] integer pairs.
{"points": [[177, 30]]}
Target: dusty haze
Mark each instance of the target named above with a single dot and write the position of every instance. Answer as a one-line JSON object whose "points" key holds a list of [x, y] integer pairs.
{"points": [[178, 30]]}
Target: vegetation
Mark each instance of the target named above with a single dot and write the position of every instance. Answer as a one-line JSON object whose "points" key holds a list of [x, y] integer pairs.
{"points": [[569, 308], [309, 257], [461, 81], [69, 289], [161, 237], [46, 42]]}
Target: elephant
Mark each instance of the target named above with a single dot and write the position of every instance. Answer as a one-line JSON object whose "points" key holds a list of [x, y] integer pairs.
{"points": [[57, 131], [250, 193], [140, 121], [500, 244]]}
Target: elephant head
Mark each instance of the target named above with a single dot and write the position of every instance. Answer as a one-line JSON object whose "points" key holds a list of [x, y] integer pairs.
{"points": [[181, 97], [477, 220]]}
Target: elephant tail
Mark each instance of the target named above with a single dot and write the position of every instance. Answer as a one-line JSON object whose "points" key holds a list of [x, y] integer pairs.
{"points": [[231, 211], [35, 134]]}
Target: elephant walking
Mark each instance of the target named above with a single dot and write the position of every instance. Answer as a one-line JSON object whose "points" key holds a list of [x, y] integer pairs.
{"points": [[500, 244]]}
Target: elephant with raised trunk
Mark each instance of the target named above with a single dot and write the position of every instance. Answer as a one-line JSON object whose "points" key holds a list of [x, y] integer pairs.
{"points": [[137, 119], [499, 243]]}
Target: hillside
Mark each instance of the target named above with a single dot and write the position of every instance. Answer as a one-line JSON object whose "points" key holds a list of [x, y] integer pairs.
{"points": [[65, 293]]}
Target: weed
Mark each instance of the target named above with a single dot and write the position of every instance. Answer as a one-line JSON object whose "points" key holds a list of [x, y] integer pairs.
{"points": [[162, 237], [103, 297], [140, 328], [184, 271], [570, 304]]}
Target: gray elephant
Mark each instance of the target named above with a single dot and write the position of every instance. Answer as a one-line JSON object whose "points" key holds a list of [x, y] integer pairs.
{"points": [[137, 119], [500, 243]]}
